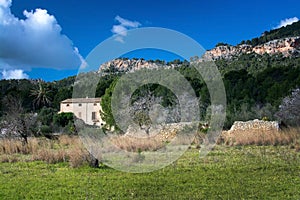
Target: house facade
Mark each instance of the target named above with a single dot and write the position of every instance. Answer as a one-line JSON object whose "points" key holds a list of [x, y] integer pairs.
{"points": [[87, 109]]}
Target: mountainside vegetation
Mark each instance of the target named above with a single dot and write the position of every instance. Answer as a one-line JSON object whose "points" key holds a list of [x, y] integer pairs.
{"points": [[292, 30], [256, 87]]}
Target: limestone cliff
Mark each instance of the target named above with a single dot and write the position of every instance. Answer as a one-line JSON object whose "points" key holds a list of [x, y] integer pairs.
{"points": [[130, 65], [287, 46]]}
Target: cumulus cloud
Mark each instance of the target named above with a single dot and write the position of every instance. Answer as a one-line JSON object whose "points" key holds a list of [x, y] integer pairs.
{"points": [[121, 29], [286, 22], [35, 41], [14, 74]]}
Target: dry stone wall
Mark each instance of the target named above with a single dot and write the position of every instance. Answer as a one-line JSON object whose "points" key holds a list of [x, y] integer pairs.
{"points": [[254, 125]]}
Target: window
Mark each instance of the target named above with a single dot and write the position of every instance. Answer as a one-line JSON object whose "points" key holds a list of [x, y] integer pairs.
{"points": [[80, 104], [93, 115], [95, 104], [79, 114], [68, 105]]}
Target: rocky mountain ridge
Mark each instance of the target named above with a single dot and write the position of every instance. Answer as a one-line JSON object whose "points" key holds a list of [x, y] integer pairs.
{"points": [[130, 65], [289, 46]]}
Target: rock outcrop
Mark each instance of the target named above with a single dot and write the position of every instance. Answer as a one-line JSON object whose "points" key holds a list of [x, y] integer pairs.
{"points": [[131, 65], [288, 47]]}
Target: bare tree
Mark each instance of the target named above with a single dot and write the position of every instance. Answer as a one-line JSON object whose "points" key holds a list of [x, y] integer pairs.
{"points": [[289, 110], [16, 122], [148, 111]]}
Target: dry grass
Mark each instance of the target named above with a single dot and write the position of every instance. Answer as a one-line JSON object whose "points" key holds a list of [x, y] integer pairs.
{"points": [[261, 137], [70, 148], [134, 144], [65, 149]]}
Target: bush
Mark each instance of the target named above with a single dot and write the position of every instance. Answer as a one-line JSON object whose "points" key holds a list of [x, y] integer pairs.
{"points": [[45, 129], [63, 119]]}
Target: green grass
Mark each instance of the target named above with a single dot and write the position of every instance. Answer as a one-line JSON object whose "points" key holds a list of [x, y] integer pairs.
{"points": [[226, 173]]}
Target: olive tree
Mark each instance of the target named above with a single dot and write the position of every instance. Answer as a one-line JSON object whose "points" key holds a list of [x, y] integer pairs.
{"points": [[16, 122], [289, 110]]}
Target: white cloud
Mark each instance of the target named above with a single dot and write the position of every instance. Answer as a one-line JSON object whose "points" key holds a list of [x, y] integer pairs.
{"points": [[128, 23], [14, 74], [286, 22], [121, 30], [5, 3], [35, 41]]}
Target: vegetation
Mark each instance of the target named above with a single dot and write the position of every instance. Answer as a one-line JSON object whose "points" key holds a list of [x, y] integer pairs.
{"points": [[222, 44], [241, 172], [255, 87], [257, 164], [290, 108], [292, 30]]}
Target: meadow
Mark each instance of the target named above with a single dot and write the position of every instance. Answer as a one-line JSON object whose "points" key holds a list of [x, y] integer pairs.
{"points": [[59, 170]]}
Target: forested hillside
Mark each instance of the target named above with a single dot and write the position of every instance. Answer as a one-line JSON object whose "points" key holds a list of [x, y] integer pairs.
{"points": [[255, 85], [292, 30]]}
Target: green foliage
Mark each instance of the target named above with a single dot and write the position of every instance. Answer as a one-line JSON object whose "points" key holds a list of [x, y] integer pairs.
{"points": [[41, 95], [222, 44], [106, 113], [62, 94], [45, 129], [45, 115], [63, 119], [20, 89], [292, 30], [103, 84], [255, 85], [251, 80]]}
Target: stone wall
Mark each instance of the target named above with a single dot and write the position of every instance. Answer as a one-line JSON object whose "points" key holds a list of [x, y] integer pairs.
{"points": [[256, 132], [254, 125]]}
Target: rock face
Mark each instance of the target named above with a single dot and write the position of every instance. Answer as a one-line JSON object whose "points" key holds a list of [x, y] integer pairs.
{"points": [[131, 65], [287, 46]]}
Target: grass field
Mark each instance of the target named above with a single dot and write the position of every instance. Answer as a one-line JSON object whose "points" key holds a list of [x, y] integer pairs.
{"points": [[239, 172]]}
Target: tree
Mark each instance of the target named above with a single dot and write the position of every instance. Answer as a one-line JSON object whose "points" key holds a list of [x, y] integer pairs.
{"points": [[45, 115], [289, 110], [64, 123], [41, 94], [63, 119], [106, 112], [16, 122]]}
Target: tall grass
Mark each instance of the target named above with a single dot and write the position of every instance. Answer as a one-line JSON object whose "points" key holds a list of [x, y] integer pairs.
{"points": [[70, 148], [133, 144], [262, 137], [65, 149]]}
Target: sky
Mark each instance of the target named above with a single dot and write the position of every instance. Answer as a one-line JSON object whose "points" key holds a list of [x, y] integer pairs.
{"points": [[50, 39]]}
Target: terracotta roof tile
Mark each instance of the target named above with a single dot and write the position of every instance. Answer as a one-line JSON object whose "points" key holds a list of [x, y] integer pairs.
{"points": [[82, 100]]}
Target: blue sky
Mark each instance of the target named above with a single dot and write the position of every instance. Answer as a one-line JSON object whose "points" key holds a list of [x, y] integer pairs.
{"points": [[87, 23]]}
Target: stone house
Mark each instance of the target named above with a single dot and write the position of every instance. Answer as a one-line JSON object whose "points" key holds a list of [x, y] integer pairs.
{"points": [[87, 109]]}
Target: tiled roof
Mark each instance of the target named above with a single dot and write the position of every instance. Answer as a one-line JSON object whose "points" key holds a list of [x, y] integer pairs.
{"points": [[82, 100]]}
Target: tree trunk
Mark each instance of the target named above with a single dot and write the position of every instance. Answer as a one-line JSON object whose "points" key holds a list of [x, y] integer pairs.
{"points": [[94, 162]]}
